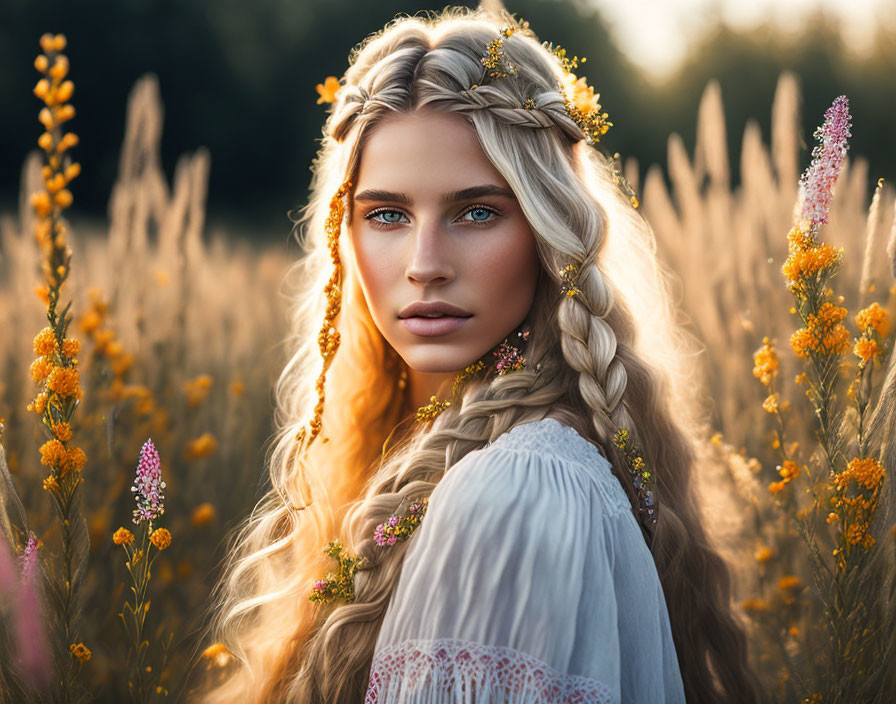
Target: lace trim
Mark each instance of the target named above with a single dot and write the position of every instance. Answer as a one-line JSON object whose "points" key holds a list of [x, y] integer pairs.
{"points": [[433, 671], [565, 442]]}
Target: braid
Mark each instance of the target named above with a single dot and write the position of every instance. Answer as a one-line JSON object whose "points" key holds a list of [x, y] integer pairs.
{"points": [[590, 347]]}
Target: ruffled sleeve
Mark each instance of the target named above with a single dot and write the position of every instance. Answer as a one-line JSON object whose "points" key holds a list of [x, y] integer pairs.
{"points": [[509, 591]]}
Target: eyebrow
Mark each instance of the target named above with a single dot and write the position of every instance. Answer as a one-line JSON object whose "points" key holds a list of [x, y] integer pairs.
{"points": [[373, 194]]}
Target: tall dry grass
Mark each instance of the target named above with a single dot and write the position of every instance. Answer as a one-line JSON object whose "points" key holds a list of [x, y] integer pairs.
{"points": [[180, 333], [727, 246]]}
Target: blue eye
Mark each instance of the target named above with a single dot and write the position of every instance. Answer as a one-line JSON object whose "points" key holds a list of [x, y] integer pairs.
{"points": [[479, 214], [387, 214]]}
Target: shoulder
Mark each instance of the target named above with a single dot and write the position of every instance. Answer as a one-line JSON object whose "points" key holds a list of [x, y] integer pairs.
{"points": [[543, 462]]}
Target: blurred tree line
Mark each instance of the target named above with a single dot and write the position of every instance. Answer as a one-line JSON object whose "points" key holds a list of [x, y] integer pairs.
{"points": [[239, 78]]}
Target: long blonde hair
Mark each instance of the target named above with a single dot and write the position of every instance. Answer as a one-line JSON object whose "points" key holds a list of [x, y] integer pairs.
{"points": [[613, 356]]}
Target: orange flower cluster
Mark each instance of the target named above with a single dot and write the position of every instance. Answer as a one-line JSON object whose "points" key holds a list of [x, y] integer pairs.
{"points": [[824, 334], [203, 514], [328, 90], [122, 536], [788, 470], [56, 455], [197, 389], [80, 651], [104, 343], [865, 350], [806, 257], [789, 584], [765, 362], [58, 170], [856, 511], [874, 326], [161, 538], [203, 446], [875, 318]]}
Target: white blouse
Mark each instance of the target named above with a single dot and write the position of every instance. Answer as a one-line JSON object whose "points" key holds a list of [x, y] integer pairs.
{"points": [[527, 581]]}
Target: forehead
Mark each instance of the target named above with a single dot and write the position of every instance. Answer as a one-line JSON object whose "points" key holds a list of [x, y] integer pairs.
{"points": [[422, 151]]}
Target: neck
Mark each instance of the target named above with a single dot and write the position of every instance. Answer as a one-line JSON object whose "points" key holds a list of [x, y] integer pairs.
{"points": [[424, 385]]}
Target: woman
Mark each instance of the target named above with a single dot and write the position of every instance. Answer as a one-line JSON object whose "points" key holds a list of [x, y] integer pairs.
{"points": [[502, 452]]}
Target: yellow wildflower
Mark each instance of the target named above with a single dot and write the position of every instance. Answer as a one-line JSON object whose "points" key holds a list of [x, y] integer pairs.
{"points": [[70, 347], [865, 349], [868, 540], [755, 604], [80, 651], [804, 261], [763, 554], [161, 538], [41, 368], [122, 536], [203, 514], [788, 470], [855, 534], [197, 389], [91, 321], [65, 382], [789, 581], [50, 484], [53, 453], [873, 317], [328, 90], [716, 439], [833, 517], [771, 403], [76, 459], [204, 445], [776, 487], [866, 472], [45, 343], [765, 362], [62, 431], [802, 342]]}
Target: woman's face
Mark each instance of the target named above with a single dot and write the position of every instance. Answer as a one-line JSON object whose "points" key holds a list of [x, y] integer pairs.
{"points": [[433, 223]]}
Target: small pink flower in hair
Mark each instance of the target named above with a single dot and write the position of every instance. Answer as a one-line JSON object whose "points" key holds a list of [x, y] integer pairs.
{"points": [[400, 527]]}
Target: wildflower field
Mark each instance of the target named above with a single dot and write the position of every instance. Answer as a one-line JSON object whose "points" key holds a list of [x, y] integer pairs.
{"points": [[137, 365]]}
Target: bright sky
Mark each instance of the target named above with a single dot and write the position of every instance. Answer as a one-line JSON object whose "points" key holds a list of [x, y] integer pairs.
{"points": [[656, 33]]}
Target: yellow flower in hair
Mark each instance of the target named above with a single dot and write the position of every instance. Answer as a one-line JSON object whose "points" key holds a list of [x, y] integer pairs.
{"points": [[580, 94], [328, 90]]}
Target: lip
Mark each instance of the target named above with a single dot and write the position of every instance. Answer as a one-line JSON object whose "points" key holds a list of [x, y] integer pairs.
{"points": [[433, 327], [423, 309]]}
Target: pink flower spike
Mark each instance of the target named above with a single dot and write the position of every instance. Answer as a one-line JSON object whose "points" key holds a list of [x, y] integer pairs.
{"points": [[148, 485], [32, 654], [827, 161]]}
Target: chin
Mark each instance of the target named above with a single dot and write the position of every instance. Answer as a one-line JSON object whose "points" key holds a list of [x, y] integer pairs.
{"points": [[437, 358]]}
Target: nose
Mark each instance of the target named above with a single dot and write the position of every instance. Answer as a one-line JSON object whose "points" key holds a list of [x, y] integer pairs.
{"points": [[430, 256]]}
